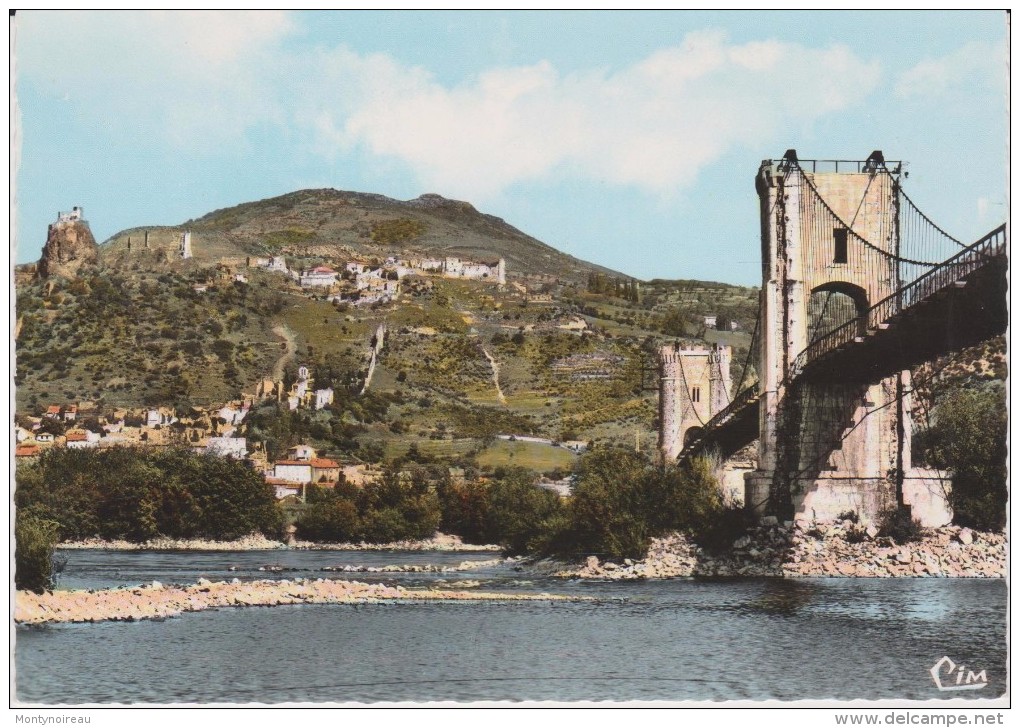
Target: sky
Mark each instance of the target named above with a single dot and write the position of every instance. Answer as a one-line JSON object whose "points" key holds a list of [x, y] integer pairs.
{"points": [[629, 139]]}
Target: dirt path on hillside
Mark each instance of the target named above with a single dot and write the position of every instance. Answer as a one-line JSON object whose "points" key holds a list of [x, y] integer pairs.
{"points": [[495, 375], [380, 339], [287, 335]]}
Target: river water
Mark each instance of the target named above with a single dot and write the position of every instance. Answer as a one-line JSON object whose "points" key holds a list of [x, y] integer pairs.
{"points": [[673, 640]]}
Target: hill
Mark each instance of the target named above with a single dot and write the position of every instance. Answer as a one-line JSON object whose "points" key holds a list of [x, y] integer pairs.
{"points": [[311, 224]]}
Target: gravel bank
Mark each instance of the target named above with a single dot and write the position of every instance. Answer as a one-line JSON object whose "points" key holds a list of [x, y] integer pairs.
{"points": [[258, 542], [156, 601]]}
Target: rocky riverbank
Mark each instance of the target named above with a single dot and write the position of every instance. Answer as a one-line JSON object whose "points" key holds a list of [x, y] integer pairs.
{"points": [[837, 549], [258, 542], [156, 601]]}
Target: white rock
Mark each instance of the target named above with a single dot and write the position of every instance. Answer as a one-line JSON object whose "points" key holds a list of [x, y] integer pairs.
{"points": [[742, 542], [155, 585], [966, 536]]}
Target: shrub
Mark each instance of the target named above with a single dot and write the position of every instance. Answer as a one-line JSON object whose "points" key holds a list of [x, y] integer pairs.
{"points": [[897, 524], [612, 505], [856, 534], [35, 539], [969, 439], [726, 526], [851, 516], [525, 518]]}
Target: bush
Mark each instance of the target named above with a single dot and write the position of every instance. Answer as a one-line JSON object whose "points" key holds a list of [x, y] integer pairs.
{"points": [[851, 516], [612, 508], [897, 524], [397, 507], [466, 510], [856, 534], [968, 438], [726, 526], [524, 518], [35, 539]]}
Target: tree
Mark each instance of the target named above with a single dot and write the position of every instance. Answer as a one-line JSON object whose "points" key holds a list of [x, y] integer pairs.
{"points": [[35, 539], [524, 516], [968, 438], [611, 510]]}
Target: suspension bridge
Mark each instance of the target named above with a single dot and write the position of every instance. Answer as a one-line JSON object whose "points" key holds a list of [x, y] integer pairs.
{"points": [[859, 285]]}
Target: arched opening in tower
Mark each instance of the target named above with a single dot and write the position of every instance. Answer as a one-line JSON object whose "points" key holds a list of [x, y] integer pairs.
{"points": [[834, 304]]}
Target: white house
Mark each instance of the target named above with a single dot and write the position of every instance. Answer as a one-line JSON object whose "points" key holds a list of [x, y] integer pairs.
{"points": [[323, 397], [302, 452], [293, 471], [227, 447], [79, 440], [233, 414], [161, 416], [322, 277]]}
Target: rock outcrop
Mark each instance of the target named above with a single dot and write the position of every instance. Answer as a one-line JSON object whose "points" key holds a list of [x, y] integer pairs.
{"points": [[835, 549], [69, 247]]}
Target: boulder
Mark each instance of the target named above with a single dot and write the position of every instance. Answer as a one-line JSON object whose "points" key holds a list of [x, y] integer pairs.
{"points": [[966, 536]]}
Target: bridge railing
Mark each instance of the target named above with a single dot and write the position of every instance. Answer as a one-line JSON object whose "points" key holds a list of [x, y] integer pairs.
{"points": [[744, 398], [945, 274]]}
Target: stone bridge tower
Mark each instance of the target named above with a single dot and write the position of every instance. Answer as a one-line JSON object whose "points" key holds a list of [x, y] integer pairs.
{"points": [[829, 245], [694, 384]]}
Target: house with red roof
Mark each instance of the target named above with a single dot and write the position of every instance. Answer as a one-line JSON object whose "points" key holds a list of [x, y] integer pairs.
{"points": [[27, 451], [325, 471]]}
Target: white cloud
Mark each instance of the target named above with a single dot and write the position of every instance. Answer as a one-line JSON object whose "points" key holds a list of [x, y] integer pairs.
{"points": [[976, 64], [191, 76], [653, 125], [205, 78]]}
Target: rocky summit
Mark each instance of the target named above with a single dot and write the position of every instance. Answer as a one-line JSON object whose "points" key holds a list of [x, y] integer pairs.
{"points": [[69, 247]]}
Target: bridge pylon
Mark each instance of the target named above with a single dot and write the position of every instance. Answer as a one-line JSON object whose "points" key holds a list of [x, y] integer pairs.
{"points": [[694, 385], [830, 249]]}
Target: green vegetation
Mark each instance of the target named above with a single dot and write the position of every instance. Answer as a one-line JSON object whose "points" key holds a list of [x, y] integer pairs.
{"points": [[897, 524], [968, 438], [289, 236], [133, 494], [396, 507], [620, 502], [35, 539], [140, 340], [394, 232]]}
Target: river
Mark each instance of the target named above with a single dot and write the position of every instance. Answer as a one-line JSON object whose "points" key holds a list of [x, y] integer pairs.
{"points": [[674, 640]]}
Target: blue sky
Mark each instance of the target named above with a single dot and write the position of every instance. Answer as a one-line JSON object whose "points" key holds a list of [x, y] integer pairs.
{"points": [[628, 139]]}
